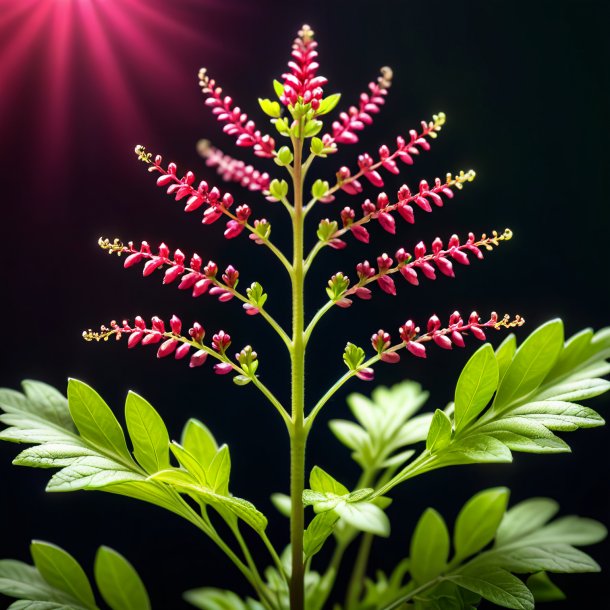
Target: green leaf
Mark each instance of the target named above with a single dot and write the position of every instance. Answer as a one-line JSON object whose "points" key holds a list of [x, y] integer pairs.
{"points": [[505, 353], [62, 572], [317, 532], [278, 188], [95, 420], [522, 434], [578, 389], [543, 589], [439, 435], [52, 455], [20, 580], [321, 481], [50, 403], [497, 586], [278, 87], [429, 547], [189, 462], [312, 128], [26, 604], [319, 188], [364, 516], [349, 433], [532, 361], [559, 415], [219, 471], [475, 448], [328, 104], [199, 442], [478, 521], [283, 503], [270, 108], [524, 518], [475, 387], [148, 433], [353, 356], [118, 581], [92, 472], [208, 598]]}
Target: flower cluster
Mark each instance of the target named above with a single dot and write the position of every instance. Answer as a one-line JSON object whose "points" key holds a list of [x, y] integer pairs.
{"points": [[409, 265], [233, 170], [236, 122], [301, 83], [357, 117], [171, 341]]}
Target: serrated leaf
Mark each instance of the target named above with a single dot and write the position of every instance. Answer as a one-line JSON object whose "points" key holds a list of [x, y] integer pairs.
{"points": [[543, 589], [317, 532], [575, 390], [527, 435], [559, 415], [475, 387], [533, 360], [50, 403], [478, 521], [497, 586], [475, 448], [429, 547], [578, 531], [365, 517], [91, 472], [534, 557], [60, 570], [147, 433], [95, 420], [439, 435], [118, 581], [52, 455], [199, 442]]}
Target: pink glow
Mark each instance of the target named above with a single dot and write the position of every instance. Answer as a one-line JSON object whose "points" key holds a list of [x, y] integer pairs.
{"points": [[71, 67]]}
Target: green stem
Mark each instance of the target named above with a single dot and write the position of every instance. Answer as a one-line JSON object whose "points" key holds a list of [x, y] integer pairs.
{"points": [[314, 321], [397, 603], [355, 584], [298, 434]]}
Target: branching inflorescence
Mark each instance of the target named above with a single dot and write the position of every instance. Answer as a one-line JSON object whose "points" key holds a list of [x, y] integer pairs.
{"points": [[296, 116], [508, 400]]}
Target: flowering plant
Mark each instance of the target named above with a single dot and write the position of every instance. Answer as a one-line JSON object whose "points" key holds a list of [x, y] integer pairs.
{"points": [[507, 400]]}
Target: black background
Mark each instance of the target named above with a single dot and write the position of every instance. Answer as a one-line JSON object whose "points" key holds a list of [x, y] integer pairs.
{"points": [[525, 89]]}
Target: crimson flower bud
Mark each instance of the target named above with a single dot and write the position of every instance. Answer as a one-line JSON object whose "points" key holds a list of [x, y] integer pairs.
{"points": [[222, 368], [166, 348], [176, 325], [197, 332], [198, 358], [182, 351]]}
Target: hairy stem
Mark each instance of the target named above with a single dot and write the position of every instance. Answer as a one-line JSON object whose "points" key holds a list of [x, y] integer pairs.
{"points": [[298, 434]]}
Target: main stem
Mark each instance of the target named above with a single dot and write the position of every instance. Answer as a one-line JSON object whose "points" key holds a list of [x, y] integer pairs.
{"points": [[298, 436]]}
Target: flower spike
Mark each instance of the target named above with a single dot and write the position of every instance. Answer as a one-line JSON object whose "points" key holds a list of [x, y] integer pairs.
{"points": [[382, 211], [171, 342], [236, 121], [410, 265], [356, 118], [301, 83], [404, 151], [194, 276], [218, 204], [233, 170]]}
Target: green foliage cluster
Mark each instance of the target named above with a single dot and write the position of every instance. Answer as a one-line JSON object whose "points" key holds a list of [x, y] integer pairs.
{"points": [[510, 400]]}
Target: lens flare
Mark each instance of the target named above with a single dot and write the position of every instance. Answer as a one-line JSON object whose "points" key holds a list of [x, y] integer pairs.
{"points": [[68, 64]]}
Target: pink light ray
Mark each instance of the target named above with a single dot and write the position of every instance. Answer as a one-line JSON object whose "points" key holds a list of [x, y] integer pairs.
{"points": [[121, 106]]}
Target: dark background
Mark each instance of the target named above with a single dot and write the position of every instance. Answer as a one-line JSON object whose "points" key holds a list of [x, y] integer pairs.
{"points": [[525, 89]]}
